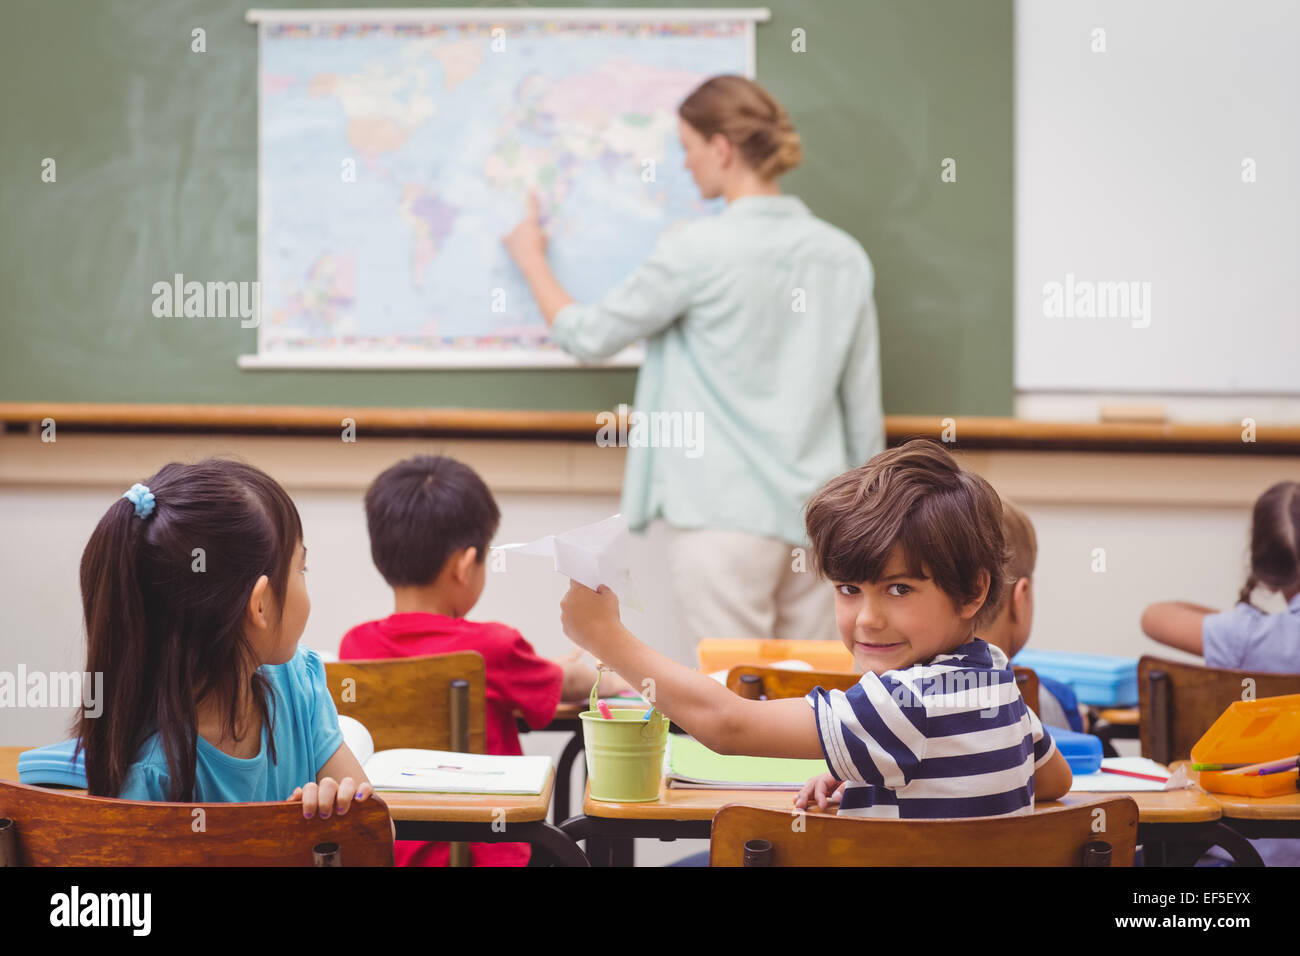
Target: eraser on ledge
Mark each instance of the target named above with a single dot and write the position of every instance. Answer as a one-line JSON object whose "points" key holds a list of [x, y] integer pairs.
{"points": [[1134, 413]]}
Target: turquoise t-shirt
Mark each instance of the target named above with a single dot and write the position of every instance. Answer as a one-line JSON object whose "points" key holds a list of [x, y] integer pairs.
{"points": [[306, 736]]}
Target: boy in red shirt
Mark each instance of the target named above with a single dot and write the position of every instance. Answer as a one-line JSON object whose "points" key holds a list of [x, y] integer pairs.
{"points": [[431, 520]]}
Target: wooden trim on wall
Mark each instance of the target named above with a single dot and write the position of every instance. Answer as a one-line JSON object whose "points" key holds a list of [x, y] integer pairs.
{"points": [[969, 432], [323, 463]]}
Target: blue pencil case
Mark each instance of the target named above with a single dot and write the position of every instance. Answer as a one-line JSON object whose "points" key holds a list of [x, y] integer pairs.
{"points": [[1081, 751], [52, 765], [1096, 679]]}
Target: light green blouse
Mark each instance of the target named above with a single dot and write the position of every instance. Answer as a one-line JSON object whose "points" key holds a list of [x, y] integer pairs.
{"points": [[761, 378]]}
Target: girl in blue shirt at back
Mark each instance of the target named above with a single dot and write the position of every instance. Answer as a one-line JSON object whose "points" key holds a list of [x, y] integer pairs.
{"points": [[194, 599], [1246, 638]]}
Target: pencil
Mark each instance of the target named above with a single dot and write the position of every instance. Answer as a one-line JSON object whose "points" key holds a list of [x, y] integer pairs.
{"points": [[1130, 773], [1219, 766]]}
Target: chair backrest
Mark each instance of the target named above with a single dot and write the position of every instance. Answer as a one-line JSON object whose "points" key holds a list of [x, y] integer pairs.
{"points": [[774, 683], [1027, 681], [57, 828], [409, 702], [1075, 835], [1178, 702]]}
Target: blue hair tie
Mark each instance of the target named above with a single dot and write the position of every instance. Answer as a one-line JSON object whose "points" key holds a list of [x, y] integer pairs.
{"points": [[140, 496]]}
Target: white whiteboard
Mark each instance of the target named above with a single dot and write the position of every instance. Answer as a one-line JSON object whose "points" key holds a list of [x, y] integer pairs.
{"points": [[1129, 169]]}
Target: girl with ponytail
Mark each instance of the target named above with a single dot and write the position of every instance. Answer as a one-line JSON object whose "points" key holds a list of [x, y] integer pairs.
{"points": [[1247, 638], [761, 346], [194, 599]]}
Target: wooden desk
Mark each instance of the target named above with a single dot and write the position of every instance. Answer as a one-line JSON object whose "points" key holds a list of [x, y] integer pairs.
{"points": [[1256, 816], [610, 828], [1184, 821], [1176, 827], [1158, 806], [1120, 716], [449, 817], [566, 719]]}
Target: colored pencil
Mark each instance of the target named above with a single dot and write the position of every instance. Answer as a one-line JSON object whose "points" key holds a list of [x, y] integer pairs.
{"points": [[1130, 773]]}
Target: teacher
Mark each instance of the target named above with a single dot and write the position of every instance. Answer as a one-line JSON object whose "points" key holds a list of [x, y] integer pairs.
{"points": [[759, 324]]}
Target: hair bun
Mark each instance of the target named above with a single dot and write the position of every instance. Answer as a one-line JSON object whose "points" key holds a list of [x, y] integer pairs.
{"points": [[750, 118]]}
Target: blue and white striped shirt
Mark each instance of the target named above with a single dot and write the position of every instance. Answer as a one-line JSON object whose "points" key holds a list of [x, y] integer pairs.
{"points": [[950, 737]]}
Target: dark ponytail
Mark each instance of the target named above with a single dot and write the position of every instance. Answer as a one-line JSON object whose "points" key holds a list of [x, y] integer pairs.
{"points": [[167, 631], [1274, 541]]}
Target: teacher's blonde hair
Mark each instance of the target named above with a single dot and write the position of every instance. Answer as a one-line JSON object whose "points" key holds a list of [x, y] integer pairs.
{"points": [[751, 120]]}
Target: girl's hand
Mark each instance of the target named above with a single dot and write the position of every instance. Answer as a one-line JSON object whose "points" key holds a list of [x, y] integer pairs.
{"points": [[824, 788], [526, 242], [584, 613], [329, 794]]}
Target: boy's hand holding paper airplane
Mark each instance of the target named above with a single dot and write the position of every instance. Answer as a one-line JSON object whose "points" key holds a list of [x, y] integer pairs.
{"points": [[592, 555]]}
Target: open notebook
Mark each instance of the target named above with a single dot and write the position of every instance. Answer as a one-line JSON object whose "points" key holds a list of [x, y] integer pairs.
{"points": [[1103, 782], [443, 771]]}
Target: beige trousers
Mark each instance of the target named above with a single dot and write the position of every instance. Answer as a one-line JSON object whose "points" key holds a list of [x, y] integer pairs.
{"points": [[731, 584]]}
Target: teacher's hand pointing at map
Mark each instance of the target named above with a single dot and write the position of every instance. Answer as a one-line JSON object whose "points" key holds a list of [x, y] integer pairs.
{"points": [[527, 246], [526, 243]]}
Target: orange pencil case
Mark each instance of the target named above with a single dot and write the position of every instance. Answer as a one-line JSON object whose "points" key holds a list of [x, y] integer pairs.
{"points": [[1252, 731]]}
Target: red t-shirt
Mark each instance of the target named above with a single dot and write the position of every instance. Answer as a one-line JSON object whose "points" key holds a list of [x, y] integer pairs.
{"points": [[517, 679]]}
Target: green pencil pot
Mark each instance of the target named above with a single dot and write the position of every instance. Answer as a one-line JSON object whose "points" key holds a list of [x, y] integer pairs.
{"points": [[625, 755]]}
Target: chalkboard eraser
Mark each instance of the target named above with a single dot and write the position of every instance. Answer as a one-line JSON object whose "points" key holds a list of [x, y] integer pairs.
{"points": [[1133, 413]]}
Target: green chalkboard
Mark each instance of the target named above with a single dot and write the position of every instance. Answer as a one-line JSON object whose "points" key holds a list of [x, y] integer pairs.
{"points": [[155, 151]]}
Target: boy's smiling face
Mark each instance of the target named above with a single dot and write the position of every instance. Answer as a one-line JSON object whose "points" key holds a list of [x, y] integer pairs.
{"points": [[900, 620]]}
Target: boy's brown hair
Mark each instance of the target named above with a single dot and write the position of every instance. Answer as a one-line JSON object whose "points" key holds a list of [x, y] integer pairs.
{"points": [[947, 520], [1022, 542], [1022, 550]]}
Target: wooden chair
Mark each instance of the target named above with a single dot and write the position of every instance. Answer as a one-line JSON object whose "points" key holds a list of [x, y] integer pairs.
{"points": [[416, 702], [1056, 836], [1178, 702], [434, 702], [755, 683], [56, 828]]}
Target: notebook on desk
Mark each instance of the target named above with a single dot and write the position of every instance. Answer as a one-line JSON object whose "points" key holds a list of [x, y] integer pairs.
{"points": [[443, 771], [689, 765]]}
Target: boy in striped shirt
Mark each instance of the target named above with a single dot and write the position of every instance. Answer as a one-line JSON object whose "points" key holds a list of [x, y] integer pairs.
{"points": [[913, 545]]}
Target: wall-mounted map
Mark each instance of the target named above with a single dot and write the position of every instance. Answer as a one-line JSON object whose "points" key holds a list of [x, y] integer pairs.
{"points": [[394, 157]]}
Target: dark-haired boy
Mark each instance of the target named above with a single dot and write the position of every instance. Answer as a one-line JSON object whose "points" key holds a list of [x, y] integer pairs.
{"points": [[431, 520], [913, 545]]}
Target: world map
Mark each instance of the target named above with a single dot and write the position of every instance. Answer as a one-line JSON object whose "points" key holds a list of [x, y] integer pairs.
{"points": [[395, 157]]}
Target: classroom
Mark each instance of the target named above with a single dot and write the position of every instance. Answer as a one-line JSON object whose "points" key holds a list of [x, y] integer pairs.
{"points": [[683, 406]]}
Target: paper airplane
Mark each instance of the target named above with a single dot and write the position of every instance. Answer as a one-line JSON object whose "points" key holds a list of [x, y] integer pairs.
{"points": [[591, 555]]}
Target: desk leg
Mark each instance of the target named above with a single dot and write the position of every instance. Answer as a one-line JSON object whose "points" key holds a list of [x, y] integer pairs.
{"points": [[552, 841], [1178, 844], [600, 851], [563, 774]]}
